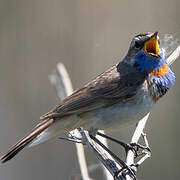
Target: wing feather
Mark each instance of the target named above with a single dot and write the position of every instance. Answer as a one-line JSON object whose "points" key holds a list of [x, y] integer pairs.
{"points": [[114, 85]]}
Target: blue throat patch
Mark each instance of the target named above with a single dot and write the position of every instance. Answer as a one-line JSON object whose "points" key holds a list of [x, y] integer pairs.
{"points": [[147, 62]]}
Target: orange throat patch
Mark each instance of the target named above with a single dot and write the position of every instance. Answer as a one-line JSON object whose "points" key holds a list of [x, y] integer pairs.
{"points": [[161, 71]]}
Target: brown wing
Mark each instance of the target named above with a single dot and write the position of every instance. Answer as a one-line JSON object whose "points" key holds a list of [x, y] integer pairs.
{"points": [[114, 85]]}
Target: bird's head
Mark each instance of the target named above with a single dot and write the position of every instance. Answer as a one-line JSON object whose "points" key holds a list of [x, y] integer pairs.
{"points": [[147, 43], [144, 53]]}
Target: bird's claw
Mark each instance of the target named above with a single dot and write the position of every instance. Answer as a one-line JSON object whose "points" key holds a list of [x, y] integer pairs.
{"points": [[127, 170], [72, 137], [132, 146], [135, 147]]}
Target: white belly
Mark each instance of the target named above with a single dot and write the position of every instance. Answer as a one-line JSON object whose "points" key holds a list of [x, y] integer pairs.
{"points": [[125, 112]]}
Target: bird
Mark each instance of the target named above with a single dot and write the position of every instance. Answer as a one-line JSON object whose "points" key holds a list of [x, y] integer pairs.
{"points": [[123, 94]]}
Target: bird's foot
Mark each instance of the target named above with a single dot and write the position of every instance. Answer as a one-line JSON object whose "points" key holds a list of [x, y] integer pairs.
{"points": [[135, 147], [127, 170], [145, 150], [73, 136], [126, 146]]}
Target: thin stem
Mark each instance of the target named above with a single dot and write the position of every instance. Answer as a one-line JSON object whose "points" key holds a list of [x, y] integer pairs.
{"points": [[176, 53], [62, 83]]}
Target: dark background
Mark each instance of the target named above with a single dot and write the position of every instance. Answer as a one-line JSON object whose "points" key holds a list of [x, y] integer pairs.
{"points": [[88, 36]]}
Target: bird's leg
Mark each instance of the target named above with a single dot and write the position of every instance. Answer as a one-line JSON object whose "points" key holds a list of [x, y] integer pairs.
{"points": [[121, 162], [132, 146], [126, 146]]}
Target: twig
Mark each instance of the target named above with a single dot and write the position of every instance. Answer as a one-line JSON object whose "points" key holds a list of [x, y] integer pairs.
{"points": [[173, 56], [62, 83], [105, 158], [135, 138], [104, 141]]}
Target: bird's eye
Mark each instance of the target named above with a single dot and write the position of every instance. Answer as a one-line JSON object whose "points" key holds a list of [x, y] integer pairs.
{"points": [[137, 44]]}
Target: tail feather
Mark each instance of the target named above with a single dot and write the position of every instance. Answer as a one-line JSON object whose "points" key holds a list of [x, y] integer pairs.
{"points": [[26, 140]]}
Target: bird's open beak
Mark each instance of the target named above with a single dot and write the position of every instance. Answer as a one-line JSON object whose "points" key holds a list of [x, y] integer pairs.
{"points": [[151, 46]]}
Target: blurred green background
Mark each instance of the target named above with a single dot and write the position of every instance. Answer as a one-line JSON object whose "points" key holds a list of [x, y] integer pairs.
{"points": [[88, 36]]}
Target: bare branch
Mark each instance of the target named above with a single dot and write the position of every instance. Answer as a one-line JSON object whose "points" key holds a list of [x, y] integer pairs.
{"points": [[106, 172], [62, 83], [176, 53], [104, 157], [135, 138]]}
